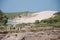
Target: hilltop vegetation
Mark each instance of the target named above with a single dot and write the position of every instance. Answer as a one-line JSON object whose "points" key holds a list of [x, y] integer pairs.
{"points": [[15, 14], [58, 13]]}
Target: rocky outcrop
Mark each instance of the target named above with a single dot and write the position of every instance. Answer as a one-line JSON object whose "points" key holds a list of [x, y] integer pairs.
{"points": [[2, 35], [42, 35]]}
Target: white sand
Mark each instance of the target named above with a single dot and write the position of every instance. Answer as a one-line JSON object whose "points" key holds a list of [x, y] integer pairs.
{"points": [[35, 16]]}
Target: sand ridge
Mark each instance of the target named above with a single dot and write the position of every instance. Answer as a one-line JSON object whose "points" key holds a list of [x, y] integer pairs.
{"points": [[35, 16]]}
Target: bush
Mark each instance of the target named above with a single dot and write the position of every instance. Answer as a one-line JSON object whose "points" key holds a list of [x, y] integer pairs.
{"points": [[58, 26], [37, 22], [33, 30], [1, 28]]}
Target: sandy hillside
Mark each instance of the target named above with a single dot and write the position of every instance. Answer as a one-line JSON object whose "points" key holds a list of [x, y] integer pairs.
{"points": [[35, 16]]}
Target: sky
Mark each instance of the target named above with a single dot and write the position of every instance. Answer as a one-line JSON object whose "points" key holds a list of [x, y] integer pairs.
{"points": [[29, 5]]}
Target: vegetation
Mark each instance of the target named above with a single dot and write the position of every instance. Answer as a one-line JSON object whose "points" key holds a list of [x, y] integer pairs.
{"points": [[1, 28], [15, 14], [55, 21], [3, 18], [32, 30], [37, 22], [50, 22], [58, 13]]}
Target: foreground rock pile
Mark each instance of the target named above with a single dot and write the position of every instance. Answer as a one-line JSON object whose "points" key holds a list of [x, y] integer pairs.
{"points": [[42, 35], [2, 35]]}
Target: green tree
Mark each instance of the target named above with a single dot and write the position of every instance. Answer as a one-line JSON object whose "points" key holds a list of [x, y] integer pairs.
{"points": [[3, 18]]}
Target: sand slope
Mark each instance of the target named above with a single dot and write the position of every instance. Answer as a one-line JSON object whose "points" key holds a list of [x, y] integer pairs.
{"points": [[35, 16]]}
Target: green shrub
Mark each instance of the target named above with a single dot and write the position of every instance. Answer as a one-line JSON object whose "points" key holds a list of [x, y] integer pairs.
{"points": [[58, 26], [3, 18], [33, 30], [1, 28], [37, 22]]}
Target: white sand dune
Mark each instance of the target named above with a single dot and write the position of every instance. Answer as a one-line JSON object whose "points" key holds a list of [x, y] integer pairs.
{"points": [[35, 16]]}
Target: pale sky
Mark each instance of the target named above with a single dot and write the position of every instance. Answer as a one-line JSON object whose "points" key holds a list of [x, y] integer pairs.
{"points": [[29, 5]]}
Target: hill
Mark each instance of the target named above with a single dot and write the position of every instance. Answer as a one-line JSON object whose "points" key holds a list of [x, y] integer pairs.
{"points": [[12, 15], [55, 21], [34, 16]]}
